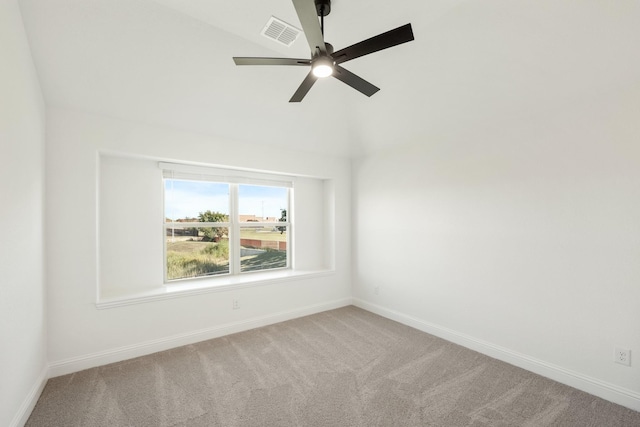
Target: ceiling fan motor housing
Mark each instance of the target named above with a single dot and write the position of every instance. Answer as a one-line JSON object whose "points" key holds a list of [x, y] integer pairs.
{"points": [[323, 7], [329, 48]]}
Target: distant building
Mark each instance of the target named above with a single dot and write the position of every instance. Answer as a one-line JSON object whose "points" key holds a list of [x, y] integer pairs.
{"points": [[187, 220], [243, 218], [253, 218]]}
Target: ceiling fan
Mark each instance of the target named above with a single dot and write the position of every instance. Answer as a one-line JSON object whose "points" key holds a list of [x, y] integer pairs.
{"points": [[324, 61]]}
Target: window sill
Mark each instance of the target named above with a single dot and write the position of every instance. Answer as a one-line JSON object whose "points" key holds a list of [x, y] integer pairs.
{"points": [[203, 286]]}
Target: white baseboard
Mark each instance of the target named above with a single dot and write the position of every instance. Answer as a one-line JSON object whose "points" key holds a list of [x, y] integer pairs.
{"points": [[607, 391], [31, 399], [63, 367]]}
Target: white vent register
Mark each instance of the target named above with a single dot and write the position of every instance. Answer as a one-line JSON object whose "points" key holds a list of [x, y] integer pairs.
{"points": [[280, 31]]}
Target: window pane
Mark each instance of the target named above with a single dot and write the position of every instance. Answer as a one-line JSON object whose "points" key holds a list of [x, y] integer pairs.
{"points": [[195, 201], [263, 248], [258, 203], [192, 253]]}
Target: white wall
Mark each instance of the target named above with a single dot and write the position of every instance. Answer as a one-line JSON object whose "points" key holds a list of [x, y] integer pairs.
{"points": [[22, 311], [80, 334], [527, 243]]}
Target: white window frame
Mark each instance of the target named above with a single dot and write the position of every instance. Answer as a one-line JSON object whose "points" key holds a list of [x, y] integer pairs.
{"points": [[234, 178]]}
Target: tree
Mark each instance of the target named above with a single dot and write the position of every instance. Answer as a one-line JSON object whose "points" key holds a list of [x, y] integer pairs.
{"points": [[283, 218], [212, 233]]}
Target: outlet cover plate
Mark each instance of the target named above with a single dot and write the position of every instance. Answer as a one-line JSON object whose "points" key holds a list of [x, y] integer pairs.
{"points": [[622, 356]]}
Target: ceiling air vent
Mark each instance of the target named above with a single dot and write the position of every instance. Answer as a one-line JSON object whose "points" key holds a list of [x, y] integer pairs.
{"points": [[280, 31]]}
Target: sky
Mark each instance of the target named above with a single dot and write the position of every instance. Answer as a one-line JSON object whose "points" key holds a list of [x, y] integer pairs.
{"points": [[186, 199]]}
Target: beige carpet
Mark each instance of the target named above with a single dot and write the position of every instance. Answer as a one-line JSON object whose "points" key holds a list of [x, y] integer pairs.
{"points": [[345, 367]]}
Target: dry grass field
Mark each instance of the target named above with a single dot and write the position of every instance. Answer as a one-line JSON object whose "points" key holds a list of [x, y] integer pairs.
{"points": [[187, 257]]}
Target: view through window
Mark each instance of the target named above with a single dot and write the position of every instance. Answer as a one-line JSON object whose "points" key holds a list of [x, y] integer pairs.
{"points": [[217, 228]]}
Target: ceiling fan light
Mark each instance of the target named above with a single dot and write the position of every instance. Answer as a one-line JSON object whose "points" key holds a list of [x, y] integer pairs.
{"points": [[322, 71], [322, 67]]}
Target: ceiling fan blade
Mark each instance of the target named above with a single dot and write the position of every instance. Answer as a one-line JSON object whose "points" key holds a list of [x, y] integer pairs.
{"points": [[354, 81], [270, 61], [308, 16], [304, 87], [382, 41]]}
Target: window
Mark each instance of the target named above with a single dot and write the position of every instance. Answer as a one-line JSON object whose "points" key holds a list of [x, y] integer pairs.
{"points": [[223, 222], [132, 234]]}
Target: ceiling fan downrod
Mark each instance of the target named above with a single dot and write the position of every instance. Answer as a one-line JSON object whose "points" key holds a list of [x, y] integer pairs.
{"points": [[323, 8]]}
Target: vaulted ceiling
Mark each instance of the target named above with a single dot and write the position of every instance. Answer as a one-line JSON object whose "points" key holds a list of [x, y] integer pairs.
{"points": [[477, 69]]}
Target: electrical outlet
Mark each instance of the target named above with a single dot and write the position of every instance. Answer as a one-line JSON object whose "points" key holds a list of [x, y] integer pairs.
{"points": [[236, 304], [622, 356]]}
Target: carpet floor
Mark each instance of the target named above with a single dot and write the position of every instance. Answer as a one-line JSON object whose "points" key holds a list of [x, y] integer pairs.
{"points": [[345, 367]]}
